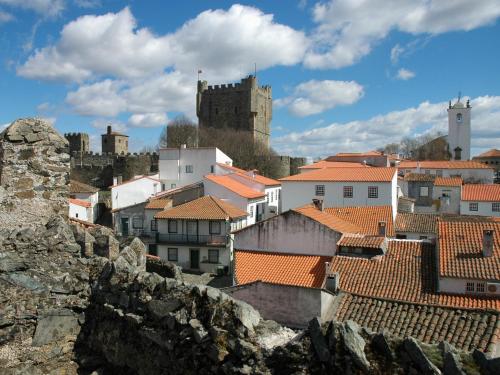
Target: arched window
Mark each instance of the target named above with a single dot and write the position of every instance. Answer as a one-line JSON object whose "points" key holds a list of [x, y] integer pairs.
{"points": [[459, 117]]}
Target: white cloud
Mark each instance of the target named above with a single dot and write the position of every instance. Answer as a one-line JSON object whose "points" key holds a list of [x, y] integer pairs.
{"points": [[379, 130], [347, 30], [396, 52], [405, 74], [88, 3], [148, 120], [43, 7], [5, 17], [313, 97]]}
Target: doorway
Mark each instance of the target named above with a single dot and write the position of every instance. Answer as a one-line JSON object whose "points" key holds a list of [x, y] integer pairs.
{"points": [[124, 226], [194, 256]]}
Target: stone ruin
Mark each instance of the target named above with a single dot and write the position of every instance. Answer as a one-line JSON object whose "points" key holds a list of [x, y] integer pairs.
{"points": [[66, 310]]}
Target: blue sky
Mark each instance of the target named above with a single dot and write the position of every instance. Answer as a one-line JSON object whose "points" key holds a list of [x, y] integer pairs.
{"points": [[346, 75]]}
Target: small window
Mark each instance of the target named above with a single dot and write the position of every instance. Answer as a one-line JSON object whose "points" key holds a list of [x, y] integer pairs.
{"points": [[154, 225], [347, 191], [251, 211], [173, 254], [119, 140], [172, 226], [214, 227], [469, 287], [76, 215], [189, 169], [216, 111], [137, 223], [495, 207], [173, 186], [423, 237], [480, 287], [235, 110], [163, 187], [372, 191], [320, 189], [272, 196], [105, 141], [424, 191], [212, 169], [213, 256], [473, 206], [459, 117], [439, 172], [152, 249], [427, 171]]}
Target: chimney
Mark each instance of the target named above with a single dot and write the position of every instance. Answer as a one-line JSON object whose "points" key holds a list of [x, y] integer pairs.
{"points": [[109, 129], [332, 279], [119, 179], [418, 167], [381, 228], [488, 242], [318, 203]]}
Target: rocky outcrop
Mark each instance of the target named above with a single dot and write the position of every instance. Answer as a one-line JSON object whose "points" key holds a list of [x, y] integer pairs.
{"points": [[34, 171]]}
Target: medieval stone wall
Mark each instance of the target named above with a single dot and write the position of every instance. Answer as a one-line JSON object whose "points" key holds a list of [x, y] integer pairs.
{"points": [[78, 142], [34, 170]]}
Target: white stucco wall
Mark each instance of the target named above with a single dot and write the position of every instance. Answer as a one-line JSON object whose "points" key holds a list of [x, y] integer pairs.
{"points": [[459, 132], [298, 193], [458, 286], [173, 162], [288, 233], [80, 212], [133, 192], [94, 200], [184, 260], [484, 209], [449, 205], [484, 175]]}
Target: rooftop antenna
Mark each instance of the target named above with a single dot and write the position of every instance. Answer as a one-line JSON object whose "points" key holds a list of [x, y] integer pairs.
{"points": [[459, 95], [199, 72]]}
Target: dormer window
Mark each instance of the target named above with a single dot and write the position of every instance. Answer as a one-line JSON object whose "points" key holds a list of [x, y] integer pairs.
{"points": [[459, 118]]}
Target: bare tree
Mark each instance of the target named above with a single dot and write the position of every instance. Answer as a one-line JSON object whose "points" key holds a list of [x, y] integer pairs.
{"points": [[181, 130]]}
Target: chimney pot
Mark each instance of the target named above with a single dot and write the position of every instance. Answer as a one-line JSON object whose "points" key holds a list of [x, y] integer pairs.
{"points": [[318, 203], [382, 228], [488, 242], [109, 129]]}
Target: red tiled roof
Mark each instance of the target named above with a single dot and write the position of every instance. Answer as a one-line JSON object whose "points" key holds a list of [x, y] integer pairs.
{"points": [[448, 181], [365, 218], [280, 268], [345, 174], [204, 208], [137, 179], [79, 202], [330, 221], [334, 164], [442, 164], [266, 181], [405, 273], [481, 192], [374, 242], [232, 168], [235, 186], [460, 249], [493, 153], [158, 204], [416, 223]]}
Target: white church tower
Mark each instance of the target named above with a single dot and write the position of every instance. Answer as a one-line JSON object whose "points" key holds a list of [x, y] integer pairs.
{"points": [[459, 130]]}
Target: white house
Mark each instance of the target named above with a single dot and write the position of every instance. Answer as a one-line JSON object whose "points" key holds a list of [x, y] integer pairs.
{"points": [[196, 235], [184, 166], [479, 199], [468, 264], [134, 191], [342, 187], [83, 203], [240, 194], [447, 191], [470, 171]]}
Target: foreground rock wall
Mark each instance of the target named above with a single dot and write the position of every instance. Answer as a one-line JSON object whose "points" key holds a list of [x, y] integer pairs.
{"points": [[34, 173]]}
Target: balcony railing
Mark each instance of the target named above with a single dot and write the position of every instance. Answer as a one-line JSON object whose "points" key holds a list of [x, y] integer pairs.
{"points": [[197, 239]]}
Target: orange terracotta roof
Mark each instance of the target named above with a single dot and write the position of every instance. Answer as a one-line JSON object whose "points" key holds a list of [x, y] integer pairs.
{"points": [[158, 204], [280, 268], [266, 181], [481, 192], [405, 273], [365, 218], [346, 174], [334, 164], [330, 221], [368, 153], [416, 223], [80, 187], [235, 186], [204, 208], [448, 181], [442, 164], [373, 242], [460, 249], [79, 202], [493, 153]]}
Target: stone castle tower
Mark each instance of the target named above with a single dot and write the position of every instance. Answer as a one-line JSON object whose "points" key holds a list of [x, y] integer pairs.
{"points": [[78, 142], [459, 127], [114, 142], [242, 106]]}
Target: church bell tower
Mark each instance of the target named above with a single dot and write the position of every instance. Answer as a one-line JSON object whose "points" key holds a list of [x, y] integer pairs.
{"points": [[459, 130]]}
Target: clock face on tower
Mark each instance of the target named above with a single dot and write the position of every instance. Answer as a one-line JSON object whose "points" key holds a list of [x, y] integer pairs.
{"points": [[459, 118]]}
